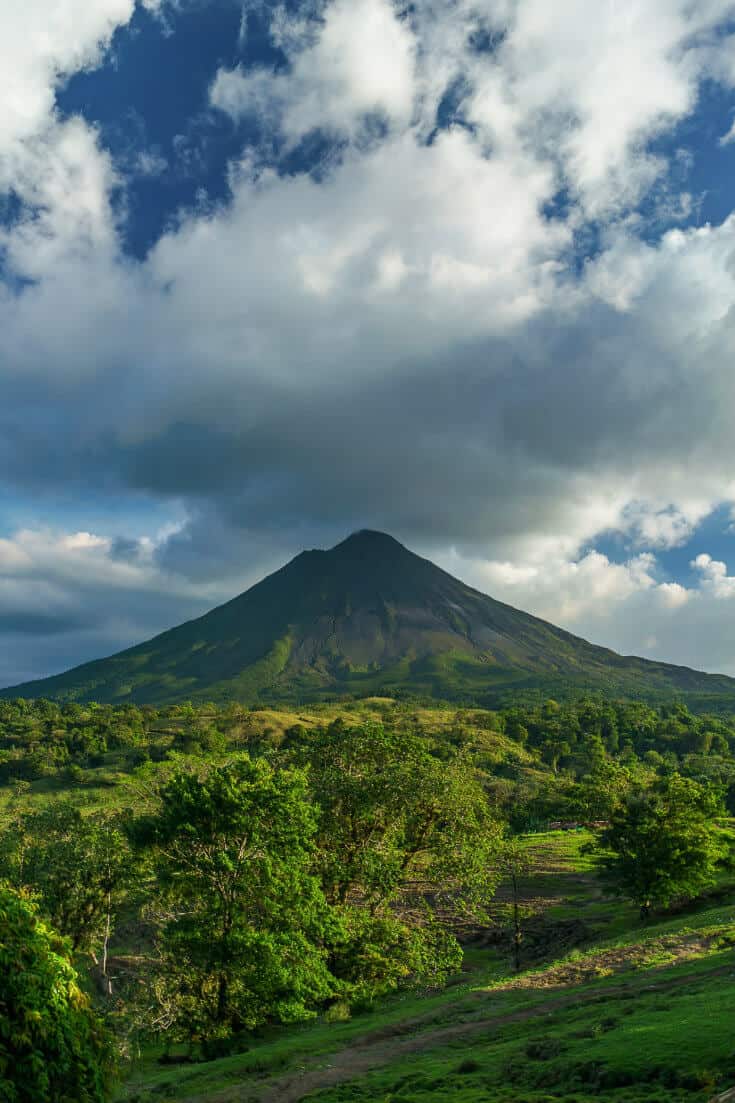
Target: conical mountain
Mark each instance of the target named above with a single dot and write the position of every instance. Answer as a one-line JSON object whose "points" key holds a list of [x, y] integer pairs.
{"points": [[367, 616]]}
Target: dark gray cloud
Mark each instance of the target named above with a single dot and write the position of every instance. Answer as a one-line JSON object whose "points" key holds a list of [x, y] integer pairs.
{"points": [[482, 444], [40, 624]]}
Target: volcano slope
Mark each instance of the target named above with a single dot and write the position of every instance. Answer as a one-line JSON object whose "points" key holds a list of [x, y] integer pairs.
{"points": [[369, 616]]}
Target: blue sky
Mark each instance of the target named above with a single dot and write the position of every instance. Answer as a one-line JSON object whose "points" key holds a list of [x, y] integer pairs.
{"points": [[273, 272], [150, 95]]}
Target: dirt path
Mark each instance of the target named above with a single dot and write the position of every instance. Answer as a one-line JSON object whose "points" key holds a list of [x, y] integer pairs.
{"points": [[381, 1047]]}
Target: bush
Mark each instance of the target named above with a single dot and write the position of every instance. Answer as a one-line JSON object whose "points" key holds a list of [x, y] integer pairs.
{"points": [[543, 1049], [52, 1047], [467, 1066], [338, 1013]]}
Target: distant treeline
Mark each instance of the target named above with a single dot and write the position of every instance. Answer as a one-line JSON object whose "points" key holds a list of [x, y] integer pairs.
{"points": [[570, 740]]}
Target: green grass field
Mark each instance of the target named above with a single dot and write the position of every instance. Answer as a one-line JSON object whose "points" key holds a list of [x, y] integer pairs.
{"points": [[628, 1013]]}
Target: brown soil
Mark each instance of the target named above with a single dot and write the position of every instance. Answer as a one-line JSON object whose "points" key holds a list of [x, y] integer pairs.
{"points": [[615, 960]]}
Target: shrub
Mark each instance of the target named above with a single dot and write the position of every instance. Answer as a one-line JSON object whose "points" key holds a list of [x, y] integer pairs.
{"points": [[543, 1049], [468, 1065], [338, 1013], [52, 1047]]}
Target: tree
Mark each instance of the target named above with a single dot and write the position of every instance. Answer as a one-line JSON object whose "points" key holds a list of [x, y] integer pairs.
{"points": [[242, 917], [601, 791], [52, 1047], [394, 816], [401, 833], [516, 863], [663, 843], [554, 749], [77, 865]]}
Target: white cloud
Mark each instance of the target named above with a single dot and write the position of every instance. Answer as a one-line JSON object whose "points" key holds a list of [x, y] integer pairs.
{"points": [[361, 62], [674, 594], [558, 69], [561, 69], [547, 89], [65, 597], [623, 605], [40, 43], [666, 527], [55, 169], [150, 163], [715, 576], [559, 589], [65, 181], [729, 136], [70, 555]]}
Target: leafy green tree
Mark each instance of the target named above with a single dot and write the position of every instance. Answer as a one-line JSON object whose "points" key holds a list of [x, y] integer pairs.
{"points": [[199, 739], [376, 953], [554, 749], [78, 866], [393, 816], [242, 917], [401, 833], [513, 724], [52, 1047], [601, 791], [663, 843]]}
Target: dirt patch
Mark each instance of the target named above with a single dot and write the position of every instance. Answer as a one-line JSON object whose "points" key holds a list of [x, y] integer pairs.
{"points": [[542, 938], [618, 959]]}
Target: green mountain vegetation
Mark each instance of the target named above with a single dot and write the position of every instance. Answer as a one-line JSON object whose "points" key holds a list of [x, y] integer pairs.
{"points": [[366, 900], [370, 617]]}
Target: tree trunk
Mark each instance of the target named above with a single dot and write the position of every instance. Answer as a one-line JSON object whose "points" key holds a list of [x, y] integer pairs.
{"points": [[107, 983], [221, 997], [517, 935]]}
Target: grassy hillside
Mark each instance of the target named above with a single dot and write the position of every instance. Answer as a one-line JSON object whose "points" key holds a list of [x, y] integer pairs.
{"points": [[628, 1014], [369, 617]]}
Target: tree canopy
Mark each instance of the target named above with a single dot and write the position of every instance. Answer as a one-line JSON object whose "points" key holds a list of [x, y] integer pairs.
{"points": [[397, 824], [267, 866], [663, 843], [77, 865], [52, 1046], [241, 914]]}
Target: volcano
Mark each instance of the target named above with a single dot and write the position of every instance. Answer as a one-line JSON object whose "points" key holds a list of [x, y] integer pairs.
{"points": [[367, 617]]}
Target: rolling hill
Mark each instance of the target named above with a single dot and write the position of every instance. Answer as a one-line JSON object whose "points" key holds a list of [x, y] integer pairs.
{"points": [[369, 616]]}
